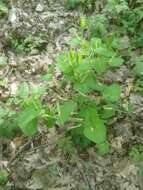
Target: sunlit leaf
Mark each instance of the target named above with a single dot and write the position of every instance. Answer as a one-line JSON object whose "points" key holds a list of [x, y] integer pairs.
{"points": [[27, 121], [65, 110], [116, 61], [95, 129], [23, 91], [112, 92]]}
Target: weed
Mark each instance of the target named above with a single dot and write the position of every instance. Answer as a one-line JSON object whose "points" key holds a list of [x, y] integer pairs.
{"points": [[96, 25], [3, 9], [25, 45], [3, 177], [24, 111], [67, 146], [92, 101], [135, 154], [84, 4], [3, 61]]}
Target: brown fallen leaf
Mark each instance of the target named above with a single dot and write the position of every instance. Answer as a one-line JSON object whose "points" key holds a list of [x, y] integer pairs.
{"points": [[129, 87]]}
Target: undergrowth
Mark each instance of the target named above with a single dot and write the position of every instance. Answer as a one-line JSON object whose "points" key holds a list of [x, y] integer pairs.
{"points": [[91, 102], [26, 44]]}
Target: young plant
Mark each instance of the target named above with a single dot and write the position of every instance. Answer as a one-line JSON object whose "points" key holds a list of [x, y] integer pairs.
{"points": [[26, 45], [136, 154], [24, 111], [95, 25], [84, 4], [92, 102], [32, 109], [7, 121], [3, 9], [3, 177]]}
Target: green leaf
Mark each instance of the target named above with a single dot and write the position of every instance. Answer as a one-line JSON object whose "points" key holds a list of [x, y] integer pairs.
{"points": [[47, 77], [138, 69], [36, 90], [3, 8], [108, 111], [71, 4], [3, 176], [112, 93], [50, 119], [83, 22], [79, 138], [103, 148], [30, 129], [1, 121], [74, 42], [27, 121], [100, 65], [87, 85], [84, 67], [101, 51], [63, 63], [3, 61], [116, 61], [7, 128], [3, 112], [65, 110], [95, 129], [23, 91]]}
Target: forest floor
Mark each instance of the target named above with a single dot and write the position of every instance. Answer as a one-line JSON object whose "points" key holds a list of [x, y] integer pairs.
{"points": [[38, 163]]}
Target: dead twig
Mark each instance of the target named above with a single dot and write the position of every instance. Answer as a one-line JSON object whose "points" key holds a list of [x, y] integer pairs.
{"points": [[83, 172], [22, 148]]}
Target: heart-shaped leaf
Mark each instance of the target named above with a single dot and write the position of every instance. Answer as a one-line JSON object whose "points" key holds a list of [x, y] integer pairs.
{"points": [[65, 110], [23, 91], [27, 120], [112, 93], [95, 129], [116, 62]]}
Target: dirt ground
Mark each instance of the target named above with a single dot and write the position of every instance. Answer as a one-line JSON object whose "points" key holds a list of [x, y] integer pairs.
{"points": [[37, 164]]}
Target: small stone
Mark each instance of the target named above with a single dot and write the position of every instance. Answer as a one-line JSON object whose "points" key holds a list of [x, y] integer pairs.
{"points": [[13, 88], [3, 61], [12, 16], [39, 8], [124, 130]]}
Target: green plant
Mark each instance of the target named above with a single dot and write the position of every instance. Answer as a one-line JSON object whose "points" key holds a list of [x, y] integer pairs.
{"points": [[139, 86], [115, 7], [7, 123], [137, 64], [24, 111], [66, 145], [3, 8], [126, 17], [135, 154], [25, 45], [84, 4], [96, 25], [3, 177], [32, 110], [91, 102], [3, 61]]}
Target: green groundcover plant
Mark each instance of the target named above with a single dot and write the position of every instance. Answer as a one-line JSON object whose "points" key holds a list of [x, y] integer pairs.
{"points": [[90, 102]]}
